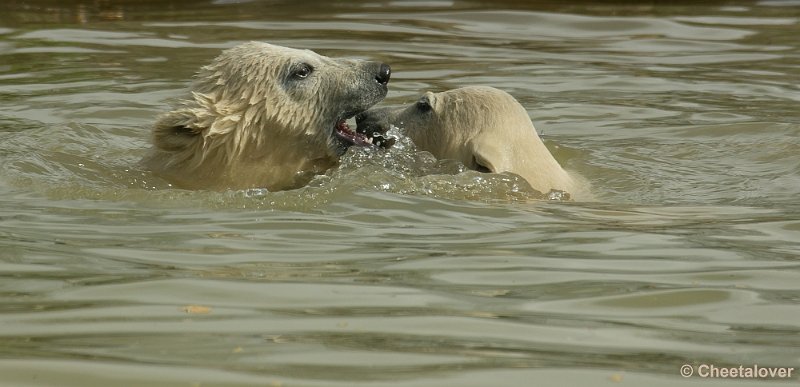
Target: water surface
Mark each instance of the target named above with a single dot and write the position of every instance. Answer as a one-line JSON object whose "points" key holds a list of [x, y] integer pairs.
{"points": [[398, 269]]}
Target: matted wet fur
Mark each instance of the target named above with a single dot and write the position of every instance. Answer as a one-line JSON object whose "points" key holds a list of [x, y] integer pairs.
{"points": [[262, 115]]}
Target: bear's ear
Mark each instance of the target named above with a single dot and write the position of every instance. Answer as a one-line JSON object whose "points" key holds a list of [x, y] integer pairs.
{"points": [[171, 134], [481, 164], [487, 155]]}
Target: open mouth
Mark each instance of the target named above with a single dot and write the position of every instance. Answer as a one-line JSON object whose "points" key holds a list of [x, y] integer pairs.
{"points": [[351, 137]]}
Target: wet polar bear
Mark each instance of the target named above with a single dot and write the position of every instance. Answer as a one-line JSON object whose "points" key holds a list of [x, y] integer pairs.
{"points": [[265, 116], [484, 128]]}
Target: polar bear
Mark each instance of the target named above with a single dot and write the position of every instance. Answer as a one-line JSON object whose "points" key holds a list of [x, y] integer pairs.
{"points": [[484, 128], [264, 116]]}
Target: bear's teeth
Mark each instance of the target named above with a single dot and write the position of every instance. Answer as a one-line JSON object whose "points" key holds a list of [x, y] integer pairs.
{"points": [[351, 122], [343, 127]]}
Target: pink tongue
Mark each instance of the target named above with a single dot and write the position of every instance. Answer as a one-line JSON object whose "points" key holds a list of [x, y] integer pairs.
{"points": [[344, 130]]}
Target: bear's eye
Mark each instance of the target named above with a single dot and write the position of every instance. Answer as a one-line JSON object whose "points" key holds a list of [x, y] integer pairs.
{"points": [[424, 105], [302, 71]]}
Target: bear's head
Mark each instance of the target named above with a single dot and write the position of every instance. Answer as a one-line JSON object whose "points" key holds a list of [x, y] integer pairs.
{"points": [[460, 124], [258, 99], [484, 128]]}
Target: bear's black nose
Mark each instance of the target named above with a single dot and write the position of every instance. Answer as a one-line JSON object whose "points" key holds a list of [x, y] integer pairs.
{"points": [[384, 73]]}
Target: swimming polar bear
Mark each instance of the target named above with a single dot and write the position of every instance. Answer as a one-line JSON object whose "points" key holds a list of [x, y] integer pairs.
{"points": [[265, 116], [484, 128]]}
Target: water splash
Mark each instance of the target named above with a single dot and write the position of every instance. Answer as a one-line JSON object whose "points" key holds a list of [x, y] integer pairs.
{"points": [[67, 165]]}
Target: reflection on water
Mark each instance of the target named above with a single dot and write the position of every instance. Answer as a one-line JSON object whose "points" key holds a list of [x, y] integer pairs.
{"points": [[396, 268]]}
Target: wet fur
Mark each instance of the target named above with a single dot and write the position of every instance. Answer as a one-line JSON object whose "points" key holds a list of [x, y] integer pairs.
{"points": [[248, 123], [484, 128]]}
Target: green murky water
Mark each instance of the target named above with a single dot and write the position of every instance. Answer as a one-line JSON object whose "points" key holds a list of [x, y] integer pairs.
{"points": [[393, 270]]}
